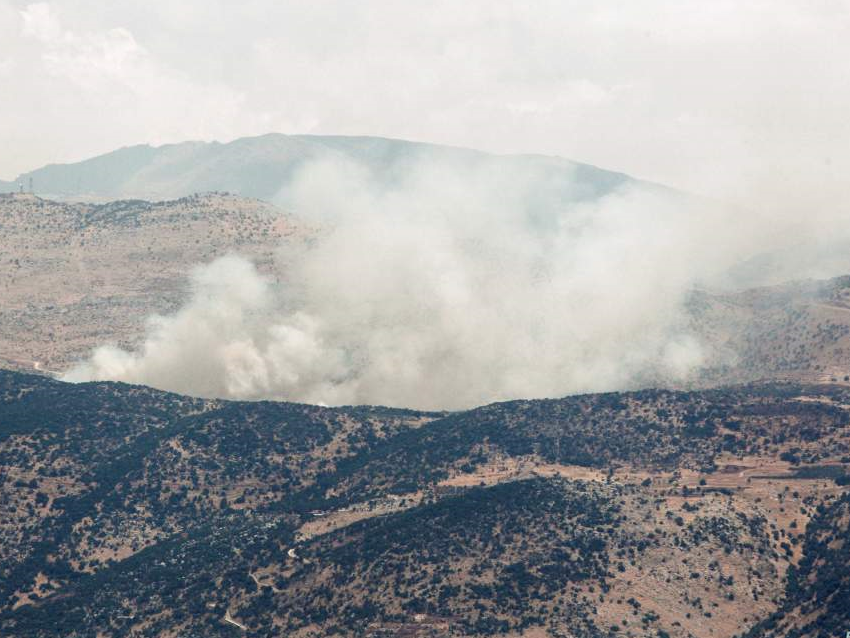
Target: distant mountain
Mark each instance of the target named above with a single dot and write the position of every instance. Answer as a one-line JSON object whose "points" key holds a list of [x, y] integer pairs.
{"points": [[263, 167]]}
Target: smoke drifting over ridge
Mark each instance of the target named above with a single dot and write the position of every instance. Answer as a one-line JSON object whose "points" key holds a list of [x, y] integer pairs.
{"points": [[450, 286]]}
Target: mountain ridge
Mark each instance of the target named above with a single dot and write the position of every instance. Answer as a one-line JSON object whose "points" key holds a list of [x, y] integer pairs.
{"points": [[146, 171]]}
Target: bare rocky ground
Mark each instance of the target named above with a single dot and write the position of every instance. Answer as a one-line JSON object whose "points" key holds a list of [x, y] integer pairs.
{"points": [[77, 275]]}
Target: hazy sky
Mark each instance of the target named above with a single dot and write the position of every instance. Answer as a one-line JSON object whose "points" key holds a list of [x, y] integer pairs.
{"points": [[719, 97]]}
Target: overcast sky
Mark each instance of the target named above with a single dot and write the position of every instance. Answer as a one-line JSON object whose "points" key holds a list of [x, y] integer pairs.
{"points": [[718, 97]]}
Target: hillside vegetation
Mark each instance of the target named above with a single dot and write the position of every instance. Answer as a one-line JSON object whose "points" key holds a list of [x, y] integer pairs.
{"points": [[134, 512]]}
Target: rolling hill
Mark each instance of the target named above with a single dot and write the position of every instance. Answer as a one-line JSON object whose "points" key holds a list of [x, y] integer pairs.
{"points": [[134, 512]]}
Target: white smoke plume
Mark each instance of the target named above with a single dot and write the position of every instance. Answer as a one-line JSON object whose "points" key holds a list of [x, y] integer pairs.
{"points": [[444, 289]]}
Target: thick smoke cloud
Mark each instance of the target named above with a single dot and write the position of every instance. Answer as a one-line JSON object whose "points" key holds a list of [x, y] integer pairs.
{"points": [[447, 288], [224, 342]]}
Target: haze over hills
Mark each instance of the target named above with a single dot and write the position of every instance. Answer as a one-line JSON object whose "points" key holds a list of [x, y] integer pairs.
{"points": [[79, 276], [430, 279], [264, 167], [424, 230], [591, 380]]}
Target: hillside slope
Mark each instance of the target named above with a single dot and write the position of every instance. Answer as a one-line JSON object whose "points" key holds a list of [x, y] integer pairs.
{"points": [[134, 512], [80, 275], [816, 596], [794, 331]]}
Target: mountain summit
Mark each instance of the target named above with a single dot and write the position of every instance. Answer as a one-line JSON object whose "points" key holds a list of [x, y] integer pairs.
{"points": [[264, 167]]}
